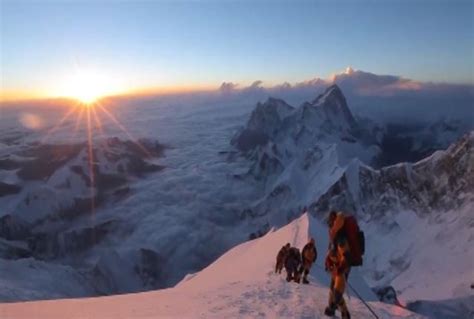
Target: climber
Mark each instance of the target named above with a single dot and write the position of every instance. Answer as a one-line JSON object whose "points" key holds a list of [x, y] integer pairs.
{"points": [[338, 264], [280, 259], [309, 255], [292, 263]]}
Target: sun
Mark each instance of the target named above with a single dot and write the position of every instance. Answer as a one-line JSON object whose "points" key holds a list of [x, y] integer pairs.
{"points": [[87, 86]]}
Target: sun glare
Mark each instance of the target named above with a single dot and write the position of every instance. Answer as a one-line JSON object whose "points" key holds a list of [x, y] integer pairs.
{"points": [[89, 113], [87, 87]]}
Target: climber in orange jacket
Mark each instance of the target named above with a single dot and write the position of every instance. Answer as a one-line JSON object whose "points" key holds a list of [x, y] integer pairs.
{"points": [[338, 264]]}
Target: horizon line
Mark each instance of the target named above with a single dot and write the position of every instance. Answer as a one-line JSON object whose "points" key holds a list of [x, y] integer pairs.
{"points": [[21, 96]]}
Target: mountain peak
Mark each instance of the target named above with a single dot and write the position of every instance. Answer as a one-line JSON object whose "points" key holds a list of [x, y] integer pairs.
{"points": [[274, 101], [332, 91], [334, 103], [272, 109]]}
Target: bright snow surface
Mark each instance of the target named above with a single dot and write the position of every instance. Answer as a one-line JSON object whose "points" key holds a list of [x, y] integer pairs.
{"points": [[240, 284]]}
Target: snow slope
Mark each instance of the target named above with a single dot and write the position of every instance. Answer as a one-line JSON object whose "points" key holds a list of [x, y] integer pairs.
{"points": [[240, 284], [417, 216]]}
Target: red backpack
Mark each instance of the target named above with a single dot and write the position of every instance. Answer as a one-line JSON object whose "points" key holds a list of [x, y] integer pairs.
{"points": [[355, 239]]}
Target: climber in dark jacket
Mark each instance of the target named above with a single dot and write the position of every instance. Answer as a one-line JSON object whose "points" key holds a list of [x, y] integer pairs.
{"points": [[292, 264], [309, 255], [281, 257]]}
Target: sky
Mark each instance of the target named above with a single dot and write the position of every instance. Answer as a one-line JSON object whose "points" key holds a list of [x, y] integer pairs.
{"points": [[200, 44]]}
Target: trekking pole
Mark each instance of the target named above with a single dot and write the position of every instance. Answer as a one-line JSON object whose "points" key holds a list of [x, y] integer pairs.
{"points": [[363, 301]]}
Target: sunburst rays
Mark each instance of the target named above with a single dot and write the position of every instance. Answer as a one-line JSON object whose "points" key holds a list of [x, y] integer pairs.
{"points": [[58, 125], [123, 128], [91, 118], [90, 157]]}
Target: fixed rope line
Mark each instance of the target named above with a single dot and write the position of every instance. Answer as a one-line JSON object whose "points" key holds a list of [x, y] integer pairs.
{"points": [[363, 301], [357, 294]]}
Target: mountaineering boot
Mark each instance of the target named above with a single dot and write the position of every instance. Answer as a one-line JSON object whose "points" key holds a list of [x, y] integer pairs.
{"points": [[346, 315], [296, 278], [329, 312], [305, 281]]}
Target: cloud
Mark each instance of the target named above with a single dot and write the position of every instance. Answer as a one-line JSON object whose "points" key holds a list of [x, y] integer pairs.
{"points": [[256, 85], [385, 97], [369, 84], [227, 87], [395, 98], [368, 94]]}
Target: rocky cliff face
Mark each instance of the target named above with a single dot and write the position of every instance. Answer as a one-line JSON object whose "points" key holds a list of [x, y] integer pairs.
{"points": [[442, 181]]}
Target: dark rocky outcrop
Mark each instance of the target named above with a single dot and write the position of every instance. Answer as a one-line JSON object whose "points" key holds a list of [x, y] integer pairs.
{"points": [[50, 245], [150, 268], [405, 186], [13, 250], [9, 189], [14, 228], [387, 294], [47, 159]]}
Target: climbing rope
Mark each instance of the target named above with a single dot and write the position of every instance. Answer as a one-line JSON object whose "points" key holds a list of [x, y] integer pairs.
{"points": [[357, 294], [363, 301]]}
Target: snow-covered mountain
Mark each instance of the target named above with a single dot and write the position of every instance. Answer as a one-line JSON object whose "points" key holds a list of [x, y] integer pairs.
{"points": [[150, 228], [413, 141], [425, 207], [240, 284], [299, 153], [49, 221], [57, 181]]}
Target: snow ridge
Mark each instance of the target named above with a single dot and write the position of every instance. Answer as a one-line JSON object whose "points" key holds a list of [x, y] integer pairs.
{"points": [[240, 284], [324, 164]]}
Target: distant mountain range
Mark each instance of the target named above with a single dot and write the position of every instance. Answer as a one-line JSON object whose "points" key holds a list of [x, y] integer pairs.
{"points": [[152, 211]]}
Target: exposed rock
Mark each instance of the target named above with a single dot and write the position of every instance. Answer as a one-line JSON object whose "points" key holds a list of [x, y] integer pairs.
{"points": [[334, 104], [8, 189], [13, 249], [75, 177], [14, 228], [9, 164], [112, 274], [454, 308], [53, 245], [47, 159], [249, 139], [387, 295], [405, 186], [150, 268], [264, 123]]}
